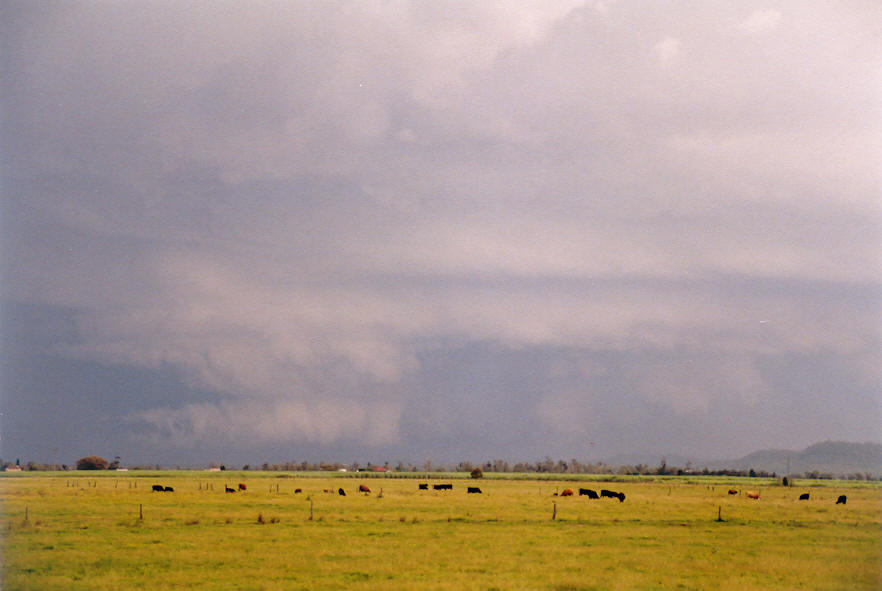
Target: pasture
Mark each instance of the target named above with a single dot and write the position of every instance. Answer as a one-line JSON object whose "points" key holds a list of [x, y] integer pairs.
{"points": [[101, 531]]}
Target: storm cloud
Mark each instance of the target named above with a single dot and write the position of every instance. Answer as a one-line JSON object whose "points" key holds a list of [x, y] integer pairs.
{"points": [[439, 229]]}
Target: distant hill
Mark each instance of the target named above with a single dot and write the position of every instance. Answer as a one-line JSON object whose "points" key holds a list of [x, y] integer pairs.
{"points": [[838, 458], [829, 457]]}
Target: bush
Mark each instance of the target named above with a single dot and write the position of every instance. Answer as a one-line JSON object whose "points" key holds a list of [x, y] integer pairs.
{"points": [[92, 463], [477, 473]]}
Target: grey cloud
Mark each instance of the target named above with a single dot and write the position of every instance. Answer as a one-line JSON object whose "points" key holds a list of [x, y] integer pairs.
{"points": [[297, 206]]}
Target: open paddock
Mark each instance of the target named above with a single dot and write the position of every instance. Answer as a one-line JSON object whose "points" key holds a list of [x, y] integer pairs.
{"points": [[97, 531]]}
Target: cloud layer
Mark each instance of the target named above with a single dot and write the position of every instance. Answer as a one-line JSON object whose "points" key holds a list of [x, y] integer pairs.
{"points": [[303, 208]]}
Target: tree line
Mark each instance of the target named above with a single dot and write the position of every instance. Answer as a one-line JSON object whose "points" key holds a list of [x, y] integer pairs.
{"points": [[545, 466]]}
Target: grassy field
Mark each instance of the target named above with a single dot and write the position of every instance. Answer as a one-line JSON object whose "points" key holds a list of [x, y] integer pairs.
{"points": [[72, 531]]}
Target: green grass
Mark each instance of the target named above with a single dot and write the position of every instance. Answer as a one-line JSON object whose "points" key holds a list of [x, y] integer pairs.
{"points": [[664, 536]]}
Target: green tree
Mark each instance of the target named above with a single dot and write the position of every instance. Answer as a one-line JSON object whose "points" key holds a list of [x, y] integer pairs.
{"points": [[92, 463]]}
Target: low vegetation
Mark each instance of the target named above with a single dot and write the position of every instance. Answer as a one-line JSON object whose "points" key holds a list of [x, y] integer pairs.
{"points": [[105, 530]]}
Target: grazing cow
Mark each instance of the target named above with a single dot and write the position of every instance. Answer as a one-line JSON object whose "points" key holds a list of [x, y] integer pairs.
{"points": [[732, 491], [228, 489], [168, 489], [341, 492], [242, 486], [363, 488], [567, 492], [751, 495], [442, 486], [297, 491], [473, 490], [804, 497], [611, 494], [158, 488], [841, 500], [423, 486], [588, 492]]}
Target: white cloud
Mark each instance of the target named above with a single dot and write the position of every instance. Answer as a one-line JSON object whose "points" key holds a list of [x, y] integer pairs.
{"points": [[761, 21], [667, 51]]}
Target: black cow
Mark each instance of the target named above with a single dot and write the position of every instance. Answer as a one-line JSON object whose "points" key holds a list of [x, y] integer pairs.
{"points": [[424, 486], [613, 495], [442, 486], [732, 491], [588, 492], [158, 488], [804, 497], [228, 489], [473, 490], [341, 492], [297, 491], [168, 489], [841, 500]]}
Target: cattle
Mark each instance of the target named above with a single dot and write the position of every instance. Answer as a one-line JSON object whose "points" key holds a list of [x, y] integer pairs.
{"points": [[567, 492], [473, 490], [242, 486], [158, 488], [424, 486], [752, 495], [297, 491], [362, 488], [341, 492], [732, 491], [442, 486], [588, 492], [604, 493], [841, 500], [804, 497], [168, 489], [228, 489]]}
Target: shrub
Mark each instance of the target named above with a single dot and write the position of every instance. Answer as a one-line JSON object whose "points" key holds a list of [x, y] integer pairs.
{"points": [[477, 473]]}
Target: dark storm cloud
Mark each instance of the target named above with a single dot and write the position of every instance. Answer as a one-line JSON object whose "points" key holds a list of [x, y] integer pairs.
{"points": [[314, 217]]}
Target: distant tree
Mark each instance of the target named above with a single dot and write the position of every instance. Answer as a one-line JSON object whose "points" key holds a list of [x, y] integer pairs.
{"points": [[477, 473], [92, 463]]}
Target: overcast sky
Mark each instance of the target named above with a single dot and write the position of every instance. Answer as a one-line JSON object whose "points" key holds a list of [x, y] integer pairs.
{"points": [[374, 231]]}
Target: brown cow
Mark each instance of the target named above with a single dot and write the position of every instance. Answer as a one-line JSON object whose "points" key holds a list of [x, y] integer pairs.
{"points": [[363, 488], [567, 492], [751, 495], [242, 486]]}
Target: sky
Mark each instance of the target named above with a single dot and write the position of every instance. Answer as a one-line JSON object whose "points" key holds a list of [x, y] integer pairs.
{"points": [[392, 231]]}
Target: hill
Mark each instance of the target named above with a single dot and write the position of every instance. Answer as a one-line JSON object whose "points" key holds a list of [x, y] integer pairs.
{"points": [[836, 458]]}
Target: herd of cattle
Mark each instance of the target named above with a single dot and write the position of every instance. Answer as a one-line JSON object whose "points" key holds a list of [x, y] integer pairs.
{"points": [[567, 492], [841, 500]]}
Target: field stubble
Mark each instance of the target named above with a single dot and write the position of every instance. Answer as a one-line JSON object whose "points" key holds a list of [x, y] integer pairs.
{"points": [[70, 533]]}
